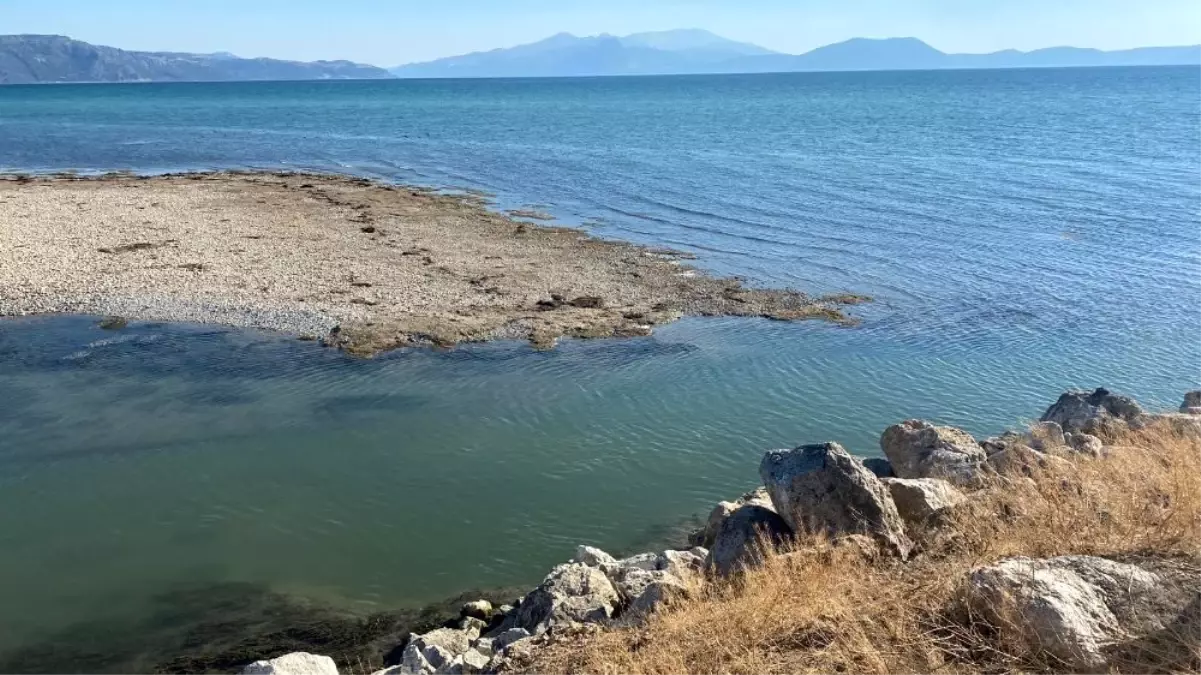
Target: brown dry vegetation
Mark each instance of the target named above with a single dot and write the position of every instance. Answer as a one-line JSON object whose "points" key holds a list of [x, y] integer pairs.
{"points": [[822, 607]]}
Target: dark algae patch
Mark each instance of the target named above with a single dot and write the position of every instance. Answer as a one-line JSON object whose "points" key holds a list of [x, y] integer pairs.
{"points": [[219, 628]]}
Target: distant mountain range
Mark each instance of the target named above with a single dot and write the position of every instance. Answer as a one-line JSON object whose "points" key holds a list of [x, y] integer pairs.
{"points": [[697, 51], [53, 58]]}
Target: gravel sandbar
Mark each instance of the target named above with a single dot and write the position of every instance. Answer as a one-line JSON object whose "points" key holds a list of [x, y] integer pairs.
{"points": [[364, 266]]}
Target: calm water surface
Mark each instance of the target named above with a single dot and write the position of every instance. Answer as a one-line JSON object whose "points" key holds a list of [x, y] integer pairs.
{"points": [[1023, 231]]}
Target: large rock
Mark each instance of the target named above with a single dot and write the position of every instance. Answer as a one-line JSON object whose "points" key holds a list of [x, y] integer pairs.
{"points": [[918, 449], [296, 663], [570, 593], [738, 540], [919, 500], [706, 536], [1076, 608], [1077, 411], [821, 488], [1192, 403]]}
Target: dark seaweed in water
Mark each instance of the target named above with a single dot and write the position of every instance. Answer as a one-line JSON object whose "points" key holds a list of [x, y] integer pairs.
{"points": [[222, 627]]}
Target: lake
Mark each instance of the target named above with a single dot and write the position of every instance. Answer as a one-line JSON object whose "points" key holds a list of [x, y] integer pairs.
{"points": [[1023, 232]]}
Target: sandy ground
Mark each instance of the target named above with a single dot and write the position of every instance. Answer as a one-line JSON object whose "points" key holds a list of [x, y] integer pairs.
{"points": [[364, 266]]}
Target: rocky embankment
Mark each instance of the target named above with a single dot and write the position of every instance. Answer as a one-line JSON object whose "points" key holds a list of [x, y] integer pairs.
{"points": [[1078, 609]]}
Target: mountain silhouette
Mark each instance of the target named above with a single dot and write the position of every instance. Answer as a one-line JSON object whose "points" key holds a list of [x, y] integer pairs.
{"points": [[698, 51], [54, 58]]}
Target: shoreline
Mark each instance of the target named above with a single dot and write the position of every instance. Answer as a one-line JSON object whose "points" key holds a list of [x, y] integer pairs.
{"points": [[933, 504], [364, 266]]}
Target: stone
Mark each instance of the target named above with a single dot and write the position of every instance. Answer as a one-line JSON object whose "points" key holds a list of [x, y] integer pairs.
{"points": [[643, 590], [1026, 461], [918, 449], [658, 590], [468, 663], [502, 641], [1077, 608], [480, 609], [452, 640], [879, 466], [484, 646], [1192, 403], [472, 626], [722, 510], [1046, 436], [645, 561], [1085, 444], [681, 564], [117, 323], [737, 544], [571, 592], [822, 488], [589, 302], [434, 651], [1077, 411], [296, 663], [592, 557], [918, 500]]}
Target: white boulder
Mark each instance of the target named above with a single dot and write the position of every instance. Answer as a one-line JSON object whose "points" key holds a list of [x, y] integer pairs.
{"points": [[296, 663]]}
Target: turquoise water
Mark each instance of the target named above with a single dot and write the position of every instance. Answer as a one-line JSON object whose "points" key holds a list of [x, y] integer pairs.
{"points": [[1023, 231]]}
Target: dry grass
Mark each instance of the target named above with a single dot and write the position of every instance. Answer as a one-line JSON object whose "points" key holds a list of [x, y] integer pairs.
{"points": [[829, 608]]}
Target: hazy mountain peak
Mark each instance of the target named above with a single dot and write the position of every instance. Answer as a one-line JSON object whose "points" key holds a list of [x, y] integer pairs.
{"points": [[686, 39]]}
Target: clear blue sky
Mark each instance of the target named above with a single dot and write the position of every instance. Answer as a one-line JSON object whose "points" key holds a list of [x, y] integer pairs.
{"points": [[391, 32]]}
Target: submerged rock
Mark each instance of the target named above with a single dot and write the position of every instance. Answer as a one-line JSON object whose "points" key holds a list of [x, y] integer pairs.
{"points": [[1192, 403], [296, 663], [918, 449], [1077, 411], [115, 323], [821, 488], [738, 541], [918, 500]]}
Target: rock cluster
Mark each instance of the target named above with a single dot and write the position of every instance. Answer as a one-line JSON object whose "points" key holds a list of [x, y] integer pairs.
{"points": [[1078, 609]]}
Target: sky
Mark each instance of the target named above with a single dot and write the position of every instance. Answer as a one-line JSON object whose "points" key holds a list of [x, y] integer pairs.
{"points": [[392, 32]]}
